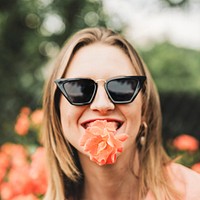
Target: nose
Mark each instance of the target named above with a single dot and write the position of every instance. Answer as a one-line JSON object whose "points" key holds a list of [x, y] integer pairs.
{"points": [[101, 102]]}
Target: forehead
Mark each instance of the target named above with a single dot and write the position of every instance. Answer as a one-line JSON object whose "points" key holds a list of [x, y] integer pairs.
{"points": [[100, 61]]}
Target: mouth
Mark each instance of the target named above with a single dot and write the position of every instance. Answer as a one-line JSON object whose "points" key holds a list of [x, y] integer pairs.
{"points": [[88, 123]]}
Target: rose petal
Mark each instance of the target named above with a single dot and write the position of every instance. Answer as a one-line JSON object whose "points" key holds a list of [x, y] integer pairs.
{"points": [[103, 156], [112, 126], [114, 142], [98, 123], [91, 145], [101, 146], [95, 130], [112, 158]]}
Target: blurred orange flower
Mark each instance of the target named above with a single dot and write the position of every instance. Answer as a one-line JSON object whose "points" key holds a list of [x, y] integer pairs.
{"points": [[38, 171], [196, 167], [22, 176], [20, 180], [6, 191], [4, 164], [25, 110], [186, 143], [4, 160], [101, 141], [37, 117], [25, 197], [22, 124], [16, 154], [2, 173]]}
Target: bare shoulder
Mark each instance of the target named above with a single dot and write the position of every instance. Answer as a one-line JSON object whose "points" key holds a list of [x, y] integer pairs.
{"points": [[186, 180], [184, 172]]}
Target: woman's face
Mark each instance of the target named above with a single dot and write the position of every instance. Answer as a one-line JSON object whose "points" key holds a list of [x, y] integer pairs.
{"points": [[100, 61]]}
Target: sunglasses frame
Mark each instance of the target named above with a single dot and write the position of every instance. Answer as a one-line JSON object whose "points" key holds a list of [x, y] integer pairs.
{"points": [[140, 81]]}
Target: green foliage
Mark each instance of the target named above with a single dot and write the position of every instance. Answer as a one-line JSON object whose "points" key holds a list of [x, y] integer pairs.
{"points": [[176, 73], [31, 33], [174, 69]]}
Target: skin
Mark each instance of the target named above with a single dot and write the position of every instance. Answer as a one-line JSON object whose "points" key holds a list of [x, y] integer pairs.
{"points": [[100, 61]]}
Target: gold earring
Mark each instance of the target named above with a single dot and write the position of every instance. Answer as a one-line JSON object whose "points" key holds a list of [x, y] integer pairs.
{"points": [[143, 137]]}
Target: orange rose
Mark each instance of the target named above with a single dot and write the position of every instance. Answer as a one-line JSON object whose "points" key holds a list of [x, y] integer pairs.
{"points": [[186, 143], [102, 143]]}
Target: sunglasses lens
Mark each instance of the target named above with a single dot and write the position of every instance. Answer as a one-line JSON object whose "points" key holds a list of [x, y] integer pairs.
{"points": [[80, 91], [122, 90]]}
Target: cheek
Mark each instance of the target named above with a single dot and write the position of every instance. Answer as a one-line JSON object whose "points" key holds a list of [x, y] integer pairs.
{"points": [[133, 116], [134, 113], [69, 120]]}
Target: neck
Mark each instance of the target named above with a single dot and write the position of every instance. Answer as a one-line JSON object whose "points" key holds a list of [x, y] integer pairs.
{"points": [[116, 181]]}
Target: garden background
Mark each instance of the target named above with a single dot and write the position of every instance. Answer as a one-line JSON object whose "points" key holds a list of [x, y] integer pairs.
{"points": [[31, 34]]}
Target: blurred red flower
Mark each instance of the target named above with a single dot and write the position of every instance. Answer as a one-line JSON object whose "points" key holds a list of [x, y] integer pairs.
{"points": [[186, 143], [196, 167]]}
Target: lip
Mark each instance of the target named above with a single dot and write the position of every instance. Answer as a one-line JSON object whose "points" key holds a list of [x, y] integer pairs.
{"points": [[119, 122]]}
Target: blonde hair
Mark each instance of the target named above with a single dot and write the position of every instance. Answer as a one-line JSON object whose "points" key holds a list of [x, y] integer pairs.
{"points": [[65, 176]]}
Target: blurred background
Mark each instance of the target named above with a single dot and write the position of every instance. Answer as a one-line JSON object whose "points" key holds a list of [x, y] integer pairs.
{"points": [[165, 32]]}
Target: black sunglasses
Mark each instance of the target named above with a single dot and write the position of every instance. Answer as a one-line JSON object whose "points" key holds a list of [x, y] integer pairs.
{"points": [[120, 90]]}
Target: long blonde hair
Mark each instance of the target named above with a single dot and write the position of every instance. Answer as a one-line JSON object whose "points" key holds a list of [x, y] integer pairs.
{"points": [[65, 174]]}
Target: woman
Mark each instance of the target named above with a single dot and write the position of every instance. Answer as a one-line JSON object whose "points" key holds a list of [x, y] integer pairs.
{"points": [[102, 128]]}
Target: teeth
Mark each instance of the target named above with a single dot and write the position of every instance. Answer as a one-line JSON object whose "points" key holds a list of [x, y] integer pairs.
{"points": [[116, 124]]}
